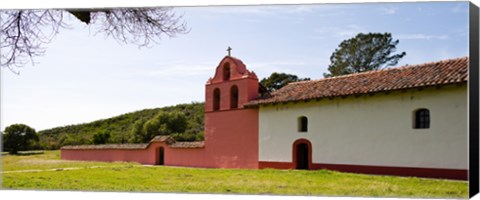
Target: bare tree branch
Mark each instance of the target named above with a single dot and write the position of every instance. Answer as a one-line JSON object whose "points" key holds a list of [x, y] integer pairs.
{"points": [[140, 26], [25, 32]]}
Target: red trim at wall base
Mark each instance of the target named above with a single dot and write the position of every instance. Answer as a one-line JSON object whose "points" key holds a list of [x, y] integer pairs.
{"points": [[276, 165], [457, 174]]}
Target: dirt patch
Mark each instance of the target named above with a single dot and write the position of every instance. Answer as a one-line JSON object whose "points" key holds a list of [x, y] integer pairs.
{"points": [[40, 161]]}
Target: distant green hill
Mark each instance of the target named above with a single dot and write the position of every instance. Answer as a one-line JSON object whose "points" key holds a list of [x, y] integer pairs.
{"points": [[120, 127]]}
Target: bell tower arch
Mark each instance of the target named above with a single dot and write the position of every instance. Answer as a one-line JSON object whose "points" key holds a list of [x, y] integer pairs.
{"points": [[231, 84]]}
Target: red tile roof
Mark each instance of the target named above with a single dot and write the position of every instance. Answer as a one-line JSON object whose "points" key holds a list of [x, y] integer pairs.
{"points": [[188, 145], [163, 139], [107, 146], [414, 76]]}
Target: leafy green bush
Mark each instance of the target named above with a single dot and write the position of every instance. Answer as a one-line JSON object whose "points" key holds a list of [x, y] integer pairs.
{"points": [[184, 137], [200, 136]]}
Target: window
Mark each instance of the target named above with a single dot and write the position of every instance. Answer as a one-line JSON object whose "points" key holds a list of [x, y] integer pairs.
{"points": [[216, 99], [422, 118], [234, 97], [226, 72], [302, 124]]}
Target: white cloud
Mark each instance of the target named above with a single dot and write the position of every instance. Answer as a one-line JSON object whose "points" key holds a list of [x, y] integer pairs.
{"points": [[422, 37], [276, 9], [302, 9], [259, 10], [264, 69], [296, 13], [461, 32], [279, 63], [342, 32], [350, 31], [388, 10], [460, 8]]}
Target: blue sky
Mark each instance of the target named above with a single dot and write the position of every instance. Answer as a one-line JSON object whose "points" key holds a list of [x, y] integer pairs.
{"points": [[85, 77]]}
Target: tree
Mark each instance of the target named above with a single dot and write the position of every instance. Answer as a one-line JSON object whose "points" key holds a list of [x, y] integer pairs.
{"points": [[277, 80], [136, 134], [364, 52], [19, 137], [101, 137], [25, 32], [164, 123]]}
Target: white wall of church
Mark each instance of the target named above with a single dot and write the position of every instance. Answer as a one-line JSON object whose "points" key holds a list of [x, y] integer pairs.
{"points": [[372, 130]]}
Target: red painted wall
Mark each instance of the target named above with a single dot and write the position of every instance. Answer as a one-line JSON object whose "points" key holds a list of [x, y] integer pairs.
{"points": [[144, 156], [231, 138], [186, 157]]}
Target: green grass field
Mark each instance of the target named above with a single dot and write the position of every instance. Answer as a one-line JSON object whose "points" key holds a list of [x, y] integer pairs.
{"points": [[56, 174]]}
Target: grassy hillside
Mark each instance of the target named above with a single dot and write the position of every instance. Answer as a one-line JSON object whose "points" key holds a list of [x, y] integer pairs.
{"points": [[120, 127]]}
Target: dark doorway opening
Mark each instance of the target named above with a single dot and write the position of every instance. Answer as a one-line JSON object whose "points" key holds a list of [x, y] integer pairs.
{"points": [[234, 97], [226, 72], [161, 156], [216, 99], [302, 156]]}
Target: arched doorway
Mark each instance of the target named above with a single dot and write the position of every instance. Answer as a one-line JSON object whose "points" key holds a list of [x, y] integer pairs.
{"points": [[161, 156], [302, 154]]}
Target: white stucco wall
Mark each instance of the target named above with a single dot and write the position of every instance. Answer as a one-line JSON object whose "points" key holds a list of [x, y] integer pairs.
{"points": [[372, 130]]}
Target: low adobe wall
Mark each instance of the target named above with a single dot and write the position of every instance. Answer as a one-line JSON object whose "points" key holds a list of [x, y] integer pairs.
{"points": [[187, 157], [181, 154], [188, 154], [148, 155]]}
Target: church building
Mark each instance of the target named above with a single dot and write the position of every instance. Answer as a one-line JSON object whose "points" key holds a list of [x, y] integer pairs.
{"points": [[406, 121]]}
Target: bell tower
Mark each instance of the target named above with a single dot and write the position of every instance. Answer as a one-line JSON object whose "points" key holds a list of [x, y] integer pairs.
{"points": [[231, 87], [230, 128]]}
